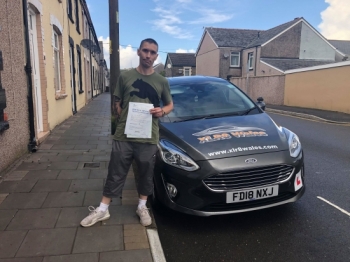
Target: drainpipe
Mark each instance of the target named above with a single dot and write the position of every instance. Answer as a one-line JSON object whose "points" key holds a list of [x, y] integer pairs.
{"points": [[92, 88], [32, 147], [256, 58]]}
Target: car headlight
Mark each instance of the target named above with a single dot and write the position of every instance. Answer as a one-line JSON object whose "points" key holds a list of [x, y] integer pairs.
{"points": [[175, 157], [293, 142]]}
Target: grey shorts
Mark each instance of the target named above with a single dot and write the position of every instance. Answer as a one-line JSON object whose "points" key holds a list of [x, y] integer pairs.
{"points": [[123, 154]]}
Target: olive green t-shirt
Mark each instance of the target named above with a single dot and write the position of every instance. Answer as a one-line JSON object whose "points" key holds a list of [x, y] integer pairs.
{"points": [[135, 87]]}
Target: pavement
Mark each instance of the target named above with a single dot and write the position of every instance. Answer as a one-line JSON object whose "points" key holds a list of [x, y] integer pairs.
{"points": [[312, 114], [46, 194]]}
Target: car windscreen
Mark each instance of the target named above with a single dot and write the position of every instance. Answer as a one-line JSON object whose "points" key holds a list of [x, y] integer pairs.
{"points": [[209, 98]]}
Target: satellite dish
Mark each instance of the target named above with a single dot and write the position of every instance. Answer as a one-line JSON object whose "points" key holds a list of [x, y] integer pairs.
{"points": [[226, 55], [169, 65]]}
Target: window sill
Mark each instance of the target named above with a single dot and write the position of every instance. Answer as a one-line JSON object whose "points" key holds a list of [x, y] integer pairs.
{"points": [[81, 91], [4, 125], [60, 96], [234, 66]]}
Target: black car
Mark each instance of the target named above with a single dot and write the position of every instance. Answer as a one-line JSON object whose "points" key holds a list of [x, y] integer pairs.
{"points": [[220, 153]]}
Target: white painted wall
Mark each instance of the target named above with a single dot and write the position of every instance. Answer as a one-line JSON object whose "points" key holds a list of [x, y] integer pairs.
{"points": [[313, 46]]}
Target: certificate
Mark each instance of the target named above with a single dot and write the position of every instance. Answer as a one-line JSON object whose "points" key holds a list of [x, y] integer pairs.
{"points": [[139, 121]]}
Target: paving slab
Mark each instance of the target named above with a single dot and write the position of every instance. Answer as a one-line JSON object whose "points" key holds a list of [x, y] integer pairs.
{"points": [[105, 158], [86, 185], [3, 197], [80, 158], [97, 142], [135, 237], [72, 216], [122, 215], [46, 242], [99, 239], [74, 174], [64, 165], [52, 185], [130, 197], [41, 175], [16, 176], [16, 186], [76, 142], [129, 184], [89, 257], [93, 198], [64, 146], [23, 201], [107, 146], [34, 219], [10, 241], [142, 255], [53, 158], [64, 199], [46, 146], [85, 147], [5, 217], [25, 166], [23, 259], [99, 173]]}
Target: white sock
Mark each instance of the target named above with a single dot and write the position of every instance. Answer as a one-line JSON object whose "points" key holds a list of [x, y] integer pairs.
{"points": [[103, 207], [142, 203]]}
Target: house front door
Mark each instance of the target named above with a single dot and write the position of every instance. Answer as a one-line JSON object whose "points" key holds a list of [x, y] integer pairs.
{"points": [[33, 41]]}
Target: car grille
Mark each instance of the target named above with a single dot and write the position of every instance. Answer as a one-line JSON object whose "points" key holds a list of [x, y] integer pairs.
{"points": [[217, 207], [248, 178]]}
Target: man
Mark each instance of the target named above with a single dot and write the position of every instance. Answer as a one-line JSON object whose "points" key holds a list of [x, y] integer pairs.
{"points": [[140, 85]]}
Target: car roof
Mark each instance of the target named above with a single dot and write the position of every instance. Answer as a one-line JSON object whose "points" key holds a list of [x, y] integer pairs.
{"points": [[193, 79]]}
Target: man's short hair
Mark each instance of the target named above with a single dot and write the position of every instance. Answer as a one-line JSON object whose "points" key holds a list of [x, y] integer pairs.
{"points": [[149, 40]]}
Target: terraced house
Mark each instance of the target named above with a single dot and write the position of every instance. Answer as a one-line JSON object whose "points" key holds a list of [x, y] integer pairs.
{"points": [[51, 68]]}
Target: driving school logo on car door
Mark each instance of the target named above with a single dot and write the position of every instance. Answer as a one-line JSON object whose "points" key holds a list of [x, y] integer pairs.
{"points": [[227, 132]]}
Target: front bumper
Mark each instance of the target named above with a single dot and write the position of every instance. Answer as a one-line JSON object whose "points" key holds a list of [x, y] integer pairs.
{"points": [[196, 198]]}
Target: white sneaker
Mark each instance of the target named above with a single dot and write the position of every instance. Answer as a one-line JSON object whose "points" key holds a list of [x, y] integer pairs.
{"points": [[145, 218], [95, 216]]}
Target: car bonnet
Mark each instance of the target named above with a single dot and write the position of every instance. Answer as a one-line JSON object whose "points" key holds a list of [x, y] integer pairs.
{"points": [[226, 136]]}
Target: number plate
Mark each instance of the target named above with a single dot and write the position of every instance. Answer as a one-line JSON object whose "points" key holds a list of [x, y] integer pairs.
{"points": [[252, 194]]}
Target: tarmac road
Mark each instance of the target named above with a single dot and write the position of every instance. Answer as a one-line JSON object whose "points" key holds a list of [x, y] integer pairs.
{"points": [[316, 228]]}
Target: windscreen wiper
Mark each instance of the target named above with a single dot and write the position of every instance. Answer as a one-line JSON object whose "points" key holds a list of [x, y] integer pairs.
{"points": [[189, 119], [223, 114], [209, 116], [248, 111]]}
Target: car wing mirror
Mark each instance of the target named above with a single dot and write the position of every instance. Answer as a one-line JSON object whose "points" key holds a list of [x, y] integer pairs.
{"points": [[261, 103]]}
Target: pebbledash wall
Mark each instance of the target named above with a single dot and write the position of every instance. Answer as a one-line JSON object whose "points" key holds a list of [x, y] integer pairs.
{"points": [[324, 87], [14, 141]]}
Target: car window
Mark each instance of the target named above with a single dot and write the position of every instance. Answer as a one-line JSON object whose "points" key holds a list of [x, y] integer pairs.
{"points": [[207, 98]]}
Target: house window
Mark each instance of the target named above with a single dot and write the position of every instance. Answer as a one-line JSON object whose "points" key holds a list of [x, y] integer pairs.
{"points": [[70, 10], [235, 59], [79, 81], [56, 49], [77, 15], [187, 71], [250, 60]]}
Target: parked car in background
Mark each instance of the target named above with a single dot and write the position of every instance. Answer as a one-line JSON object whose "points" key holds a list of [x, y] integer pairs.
{"points": [[220, 153]]}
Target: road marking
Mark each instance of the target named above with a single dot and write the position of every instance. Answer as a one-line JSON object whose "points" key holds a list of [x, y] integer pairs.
{"points": [[340, 209]]}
